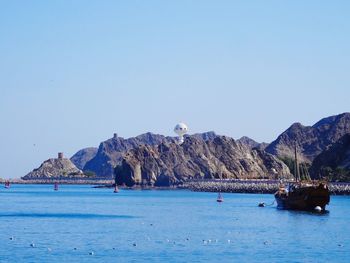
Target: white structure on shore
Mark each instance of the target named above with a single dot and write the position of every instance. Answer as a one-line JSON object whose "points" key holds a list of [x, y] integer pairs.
{"points": [[181, 129]]}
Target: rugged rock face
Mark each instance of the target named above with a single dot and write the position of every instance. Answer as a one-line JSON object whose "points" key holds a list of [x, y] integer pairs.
{"points": [[83, 156], [55, 167], [334, 163], [248, 141], [252, 143], [206, 136], [311, 140], [221, 157], [110, 152]]}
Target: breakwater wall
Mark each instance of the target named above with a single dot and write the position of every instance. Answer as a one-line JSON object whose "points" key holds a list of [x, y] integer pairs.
{"points": [[60, 180], [251, 186]]}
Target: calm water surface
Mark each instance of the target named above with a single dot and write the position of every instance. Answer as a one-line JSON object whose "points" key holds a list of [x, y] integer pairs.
{"points": [[164, 226]]}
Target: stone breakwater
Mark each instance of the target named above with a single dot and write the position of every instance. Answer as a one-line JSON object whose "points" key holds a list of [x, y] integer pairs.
{"points": [[258, 187], [60, 181]]}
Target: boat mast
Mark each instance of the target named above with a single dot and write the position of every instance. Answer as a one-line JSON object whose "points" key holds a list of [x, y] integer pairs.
{"points": [[296, 164]]}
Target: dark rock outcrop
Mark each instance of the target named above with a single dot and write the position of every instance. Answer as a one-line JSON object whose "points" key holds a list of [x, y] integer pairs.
{"points": [[53, 168], [311, 140], [83, 156], [110, 152], [333, 164], [221, 157]]}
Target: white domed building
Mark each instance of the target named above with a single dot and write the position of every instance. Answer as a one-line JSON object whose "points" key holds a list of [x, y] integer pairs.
{"points": [[181, 129]]}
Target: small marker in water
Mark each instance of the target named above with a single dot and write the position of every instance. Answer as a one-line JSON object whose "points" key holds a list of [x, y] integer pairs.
{"points": [[91, 253], [12, 238], [32, 245], [134, 244]]}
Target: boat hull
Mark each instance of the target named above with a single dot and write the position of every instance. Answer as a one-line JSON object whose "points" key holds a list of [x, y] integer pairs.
{"points": [[305, 198]]}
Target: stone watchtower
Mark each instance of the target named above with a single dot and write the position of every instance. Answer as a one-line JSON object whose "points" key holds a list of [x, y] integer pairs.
{"points": [[60, 155]]}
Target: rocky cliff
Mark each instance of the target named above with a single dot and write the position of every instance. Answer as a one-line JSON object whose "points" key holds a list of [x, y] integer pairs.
{"points": [[55, 167], [110, 152], [83, 156], [311, 140], [220, 157], [333, 164]]}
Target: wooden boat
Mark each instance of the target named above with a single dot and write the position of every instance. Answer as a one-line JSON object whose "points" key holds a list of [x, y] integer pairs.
{"points": [[220, 199], [304, 195]]}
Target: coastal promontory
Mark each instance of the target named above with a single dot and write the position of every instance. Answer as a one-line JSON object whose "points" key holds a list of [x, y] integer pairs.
{"points": [[221, 157]]}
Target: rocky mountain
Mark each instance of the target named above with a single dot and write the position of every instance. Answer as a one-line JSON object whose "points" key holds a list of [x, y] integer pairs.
{"points": [[206, 136], [55, 167], [252, 143], [83, 156], [220, 157], [248, 141], [110, 152], [311, 140], [333, 163]]}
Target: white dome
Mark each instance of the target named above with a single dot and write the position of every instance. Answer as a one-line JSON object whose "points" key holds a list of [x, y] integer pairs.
{"points": [[181, 129]]}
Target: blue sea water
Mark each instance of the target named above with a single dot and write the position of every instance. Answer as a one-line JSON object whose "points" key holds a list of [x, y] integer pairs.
{"points": [[85, 224]]}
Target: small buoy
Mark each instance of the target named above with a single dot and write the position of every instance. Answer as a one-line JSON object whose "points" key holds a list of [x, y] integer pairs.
{"points": [[187, 239], [91, 253], [265, 242], [318, 209], [32, 245], [261, 204], [228, 241], [134, 244], [12, 238], [114, 248], [75, 248]]}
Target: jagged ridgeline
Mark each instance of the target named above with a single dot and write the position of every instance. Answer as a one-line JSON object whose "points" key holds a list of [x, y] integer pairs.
{"points": [[333, 164], [311, 140], [220, 157], [158, 160]]}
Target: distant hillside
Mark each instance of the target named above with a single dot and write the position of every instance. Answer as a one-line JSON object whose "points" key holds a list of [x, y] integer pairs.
{"points": [[83, 156], [221, 157], [333, 163], [311, 140]]}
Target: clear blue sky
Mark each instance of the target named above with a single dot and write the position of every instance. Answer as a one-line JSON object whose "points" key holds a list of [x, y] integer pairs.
{"points": [[74, 72]]}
